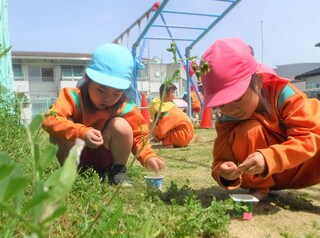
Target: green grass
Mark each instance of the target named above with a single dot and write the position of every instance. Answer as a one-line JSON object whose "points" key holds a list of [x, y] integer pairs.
{"points": [[191, 204], [178, 211], [86, 211]]}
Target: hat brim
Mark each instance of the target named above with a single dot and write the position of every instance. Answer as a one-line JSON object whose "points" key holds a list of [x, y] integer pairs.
{"points": [[225, 95], [107, 80]]}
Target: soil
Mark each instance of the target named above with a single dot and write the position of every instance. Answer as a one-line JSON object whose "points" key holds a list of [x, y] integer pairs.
{"points": [[289, 213], [285, 213]]}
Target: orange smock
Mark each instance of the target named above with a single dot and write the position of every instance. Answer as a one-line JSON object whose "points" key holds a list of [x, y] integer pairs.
{"points": [[174, 128], [289, 140], [69, 105], [195, 102]]}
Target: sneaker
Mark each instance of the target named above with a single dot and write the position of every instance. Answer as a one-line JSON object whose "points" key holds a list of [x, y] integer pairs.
{"points": [[167, 142], [155, 140], [258, 194], [116, 179], [117, 173]]}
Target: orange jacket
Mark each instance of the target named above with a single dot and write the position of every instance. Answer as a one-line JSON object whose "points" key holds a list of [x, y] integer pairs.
{"points": [[176, 126], [196, 104], [69, 105], [292, 138]]}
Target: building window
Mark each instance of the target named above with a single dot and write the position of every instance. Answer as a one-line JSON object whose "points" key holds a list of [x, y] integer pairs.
{"points": [[142, 75], [47, 74], [37, 74], [71, 72], [17, 72]]}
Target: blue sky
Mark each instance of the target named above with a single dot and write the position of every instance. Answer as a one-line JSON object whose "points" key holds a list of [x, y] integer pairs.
{"points": [[289, 29]]}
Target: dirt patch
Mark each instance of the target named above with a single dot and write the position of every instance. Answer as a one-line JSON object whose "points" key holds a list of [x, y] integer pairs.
{"points": [[287, 213]]}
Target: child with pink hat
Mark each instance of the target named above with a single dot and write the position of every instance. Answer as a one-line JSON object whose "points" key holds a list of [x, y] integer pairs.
{"points": [[99, 113], [268, 131]]}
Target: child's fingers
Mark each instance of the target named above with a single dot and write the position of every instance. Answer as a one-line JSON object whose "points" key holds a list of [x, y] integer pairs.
{"points": [[250, 168], [243, 167], [247, 164]]}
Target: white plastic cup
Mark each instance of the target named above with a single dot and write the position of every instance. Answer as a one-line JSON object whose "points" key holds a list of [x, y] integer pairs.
{"points": [[154, 183], [246, 200]]}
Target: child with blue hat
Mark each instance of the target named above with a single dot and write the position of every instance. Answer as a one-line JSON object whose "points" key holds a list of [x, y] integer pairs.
{"points": [[99, 113]]}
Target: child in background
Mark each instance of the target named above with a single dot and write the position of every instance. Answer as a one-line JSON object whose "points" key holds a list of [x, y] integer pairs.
{"points": [[174, 127], [167, 101], [99, 113], [195, 104], [268, 131]]}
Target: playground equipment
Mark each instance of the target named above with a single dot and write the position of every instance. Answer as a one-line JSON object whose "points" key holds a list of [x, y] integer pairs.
{"points": [[158, 21]]}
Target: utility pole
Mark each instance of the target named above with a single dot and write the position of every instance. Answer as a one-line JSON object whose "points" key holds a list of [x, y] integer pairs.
{"points": [[317, 45]]}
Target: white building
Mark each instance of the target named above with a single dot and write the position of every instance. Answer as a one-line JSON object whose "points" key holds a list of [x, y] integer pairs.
{"points": [[305, 76], [311, 80], [41, 75]]}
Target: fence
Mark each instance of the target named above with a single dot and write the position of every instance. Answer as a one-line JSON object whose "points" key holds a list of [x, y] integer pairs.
{"points": [[40, 105]]}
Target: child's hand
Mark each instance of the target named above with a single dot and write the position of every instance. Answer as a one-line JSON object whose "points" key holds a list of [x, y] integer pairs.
{"points": [[253, 164], [93, 138], [155, 164], [229, 171]]}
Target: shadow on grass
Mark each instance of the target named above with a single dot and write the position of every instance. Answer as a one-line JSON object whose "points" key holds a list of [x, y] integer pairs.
{"points": [[196, 141], [293, 201], [186, 161]]}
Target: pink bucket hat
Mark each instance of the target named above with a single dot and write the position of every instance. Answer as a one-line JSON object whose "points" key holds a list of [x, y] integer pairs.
{"points": [[231, 66]]}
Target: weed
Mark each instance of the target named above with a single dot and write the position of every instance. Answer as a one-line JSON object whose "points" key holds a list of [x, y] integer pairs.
{"points": [[33, 214]]}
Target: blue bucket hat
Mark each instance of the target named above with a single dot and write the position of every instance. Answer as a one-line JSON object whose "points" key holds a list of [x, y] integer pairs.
{"points": [[111, 65]]}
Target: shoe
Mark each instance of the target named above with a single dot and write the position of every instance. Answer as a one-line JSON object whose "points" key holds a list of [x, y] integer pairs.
{"points": [[102, 178], [116, 179], [258, 194], [167, 142], [117, 173], [155, 140]]}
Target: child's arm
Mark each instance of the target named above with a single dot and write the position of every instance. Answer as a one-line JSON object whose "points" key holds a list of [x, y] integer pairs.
{"points": [[154, 163], [140, 133], [224, 166], [59, 119], [301, 119]]}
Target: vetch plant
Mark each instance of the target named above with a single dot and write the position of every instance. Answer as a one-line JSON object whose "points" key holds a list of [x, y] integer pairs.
{"points": [[47, 200]]}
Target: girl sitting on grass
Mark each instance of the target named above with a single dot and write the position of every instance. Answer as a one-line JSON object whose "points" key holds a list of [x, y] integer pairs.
{"points": [[99, 113], [268, 131], [174, 127]]}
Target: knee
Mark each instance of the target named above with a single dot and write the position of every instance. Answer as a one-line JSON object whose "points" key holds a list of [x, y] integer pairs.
{"points": [[248, 129], [61, 143], [64, 146], [247, 137], [119, 126]]}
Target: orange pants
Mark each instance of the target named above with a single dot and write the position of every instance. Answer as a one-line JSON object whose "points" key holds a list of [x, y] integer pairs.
{"points": [[174, 128], [249, 136]]}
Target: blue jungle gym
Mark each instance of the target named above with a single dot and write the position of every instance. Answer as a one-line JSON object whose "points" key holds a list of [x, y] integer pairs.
{"points": [[159, 11]]}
